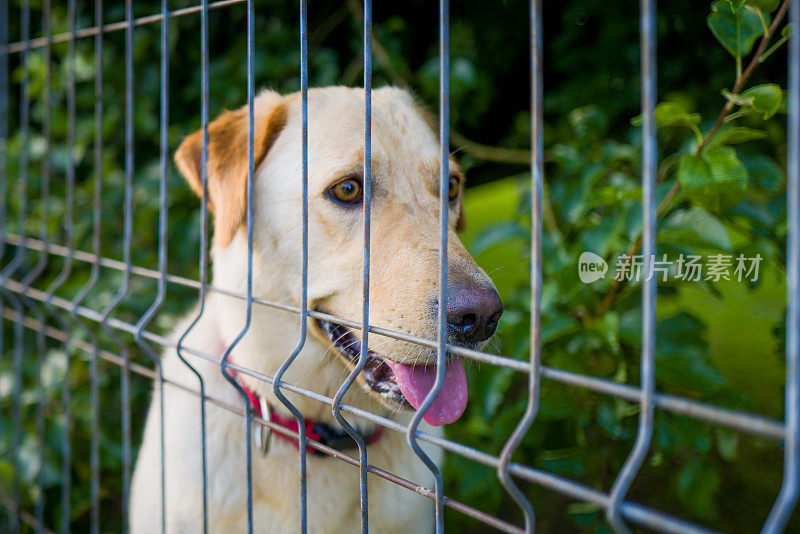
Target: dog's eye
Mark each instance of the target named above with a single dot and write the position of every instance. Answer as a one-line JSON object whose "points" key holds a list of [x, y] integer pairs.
{"points": [[453, 187], [347, 191]]}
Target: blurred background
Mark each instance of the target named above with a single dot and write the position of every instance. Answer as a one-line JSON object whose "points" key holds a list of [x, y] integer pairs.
{"points": [[721, 342]]}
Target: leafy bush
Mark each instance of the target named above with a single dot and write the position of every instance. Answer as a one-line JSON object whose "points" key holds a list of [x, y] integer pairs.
{"points": [[721, 190]]}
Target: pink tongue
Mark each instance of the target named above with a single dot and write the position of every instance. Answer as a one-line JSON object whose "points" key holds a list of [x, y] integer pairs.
{"points": [[416, 381]]}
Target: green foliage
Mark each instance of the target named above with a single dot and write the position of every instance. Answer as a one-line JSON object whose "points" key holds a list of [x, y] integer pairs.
{"points": [[715, 178], [722, 190], [733, 135], [765, 99], [735, 26], [765, 6], [673, 114], [696, 228]]}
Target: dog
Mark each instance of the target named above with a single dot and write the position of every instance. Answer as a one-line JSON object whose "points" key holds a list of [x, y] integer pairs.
{"points": [[403, 296]]}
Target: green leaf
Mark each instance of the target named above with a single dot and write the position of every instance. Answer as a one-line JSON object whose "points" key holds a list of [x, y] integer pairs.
{"points": [[671, 114], [607, 328], [584, 515], [729, 135], [694, 227], [716, 179], [496, 234], [560, 326], [766, 98], [689, 369], [6, 473], [736, 28], [764, 172], [698, 484], [499, 383], [727, 444], [608, 420], [765, 6], [589, 122]]}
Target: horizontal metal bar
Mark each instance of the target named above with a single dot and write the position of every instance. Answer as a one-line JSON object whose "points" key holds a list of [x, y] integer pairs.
{"points": [[752, 424], [633, 512], [60, 335], [60, 250], [745, 422], [114, 26]]}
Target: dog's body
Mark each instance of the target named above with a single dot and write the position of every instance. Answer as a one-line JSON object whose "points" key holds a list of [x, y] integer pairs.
{"points": [[333, 494], [403, 290]]}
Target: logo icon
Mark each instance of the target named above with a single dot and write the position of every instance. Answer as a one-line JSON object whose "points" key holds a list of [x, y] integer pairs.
{"points": [[591, 267]]}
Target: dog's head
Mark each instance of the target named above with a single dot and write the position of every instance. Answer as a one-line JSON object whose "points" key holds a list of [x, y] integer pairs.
{"points": [[405, 232]]}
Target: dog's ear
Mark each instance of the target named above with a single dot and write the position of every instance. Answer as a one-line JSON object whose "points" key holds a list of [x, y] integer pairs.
{"points": [[226, 168]]}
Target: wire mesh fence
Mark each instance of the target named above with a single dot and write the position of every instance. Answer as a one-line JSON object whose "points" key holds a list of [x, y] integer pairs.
{"points": [[67, 302]]}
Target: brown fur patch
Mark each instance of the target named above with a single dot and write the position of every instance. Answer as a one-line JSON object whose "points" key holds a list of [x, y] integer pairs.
{"points": [[227, 163]]}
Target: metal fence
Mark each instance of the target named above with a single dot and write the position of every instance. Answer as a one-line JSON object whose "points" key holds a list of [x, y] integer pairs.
{"points": [[54, 318]]}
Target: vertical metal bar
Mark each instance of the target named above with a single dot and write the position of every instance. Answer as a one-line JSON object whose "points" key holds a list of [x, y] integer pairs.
{"points": [[787, 498], [3, 123], [94, 276], [162, 248], [367, 213], [69, 203], [24, 134], [248, 413], [94, 455], [66, 270], [127, 236], [17, 408], [41, 349], [2, 331], [444, 207], [649, 161], [3, 144], [33, 274], [126, 257], [537, 178], [251, 137], [19, 258], [276, 384], [203, 250], [41, 263]]}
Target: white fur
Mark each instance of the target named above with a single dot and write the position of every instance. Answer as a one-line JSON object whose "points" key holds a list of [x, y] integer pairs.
{"points": [[404, 281], [333, 496]]}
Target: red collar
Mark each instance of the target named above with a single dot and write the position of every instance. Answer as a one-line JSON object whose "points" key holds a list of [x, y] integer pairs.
{"points": [[331, 436]]}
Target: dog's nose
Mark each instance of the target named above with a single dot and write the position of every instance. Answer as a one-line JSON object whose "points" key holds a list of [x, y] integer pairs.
{"points": [[472, 312]]}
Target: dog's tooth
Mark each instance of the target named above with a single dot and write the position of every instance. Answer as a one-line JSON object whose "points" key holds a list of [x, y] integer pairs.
{"points": [[377, 375]]}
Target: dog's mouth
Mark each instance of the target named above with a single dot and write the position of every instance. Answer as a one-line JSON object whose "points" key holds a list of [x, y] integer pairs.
{"points": [[403, 385]]}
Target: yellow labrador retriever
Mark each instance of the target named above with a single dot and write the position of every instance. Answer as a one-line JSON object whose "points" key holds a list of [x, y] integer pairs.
{"points": [[403, 297]]}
